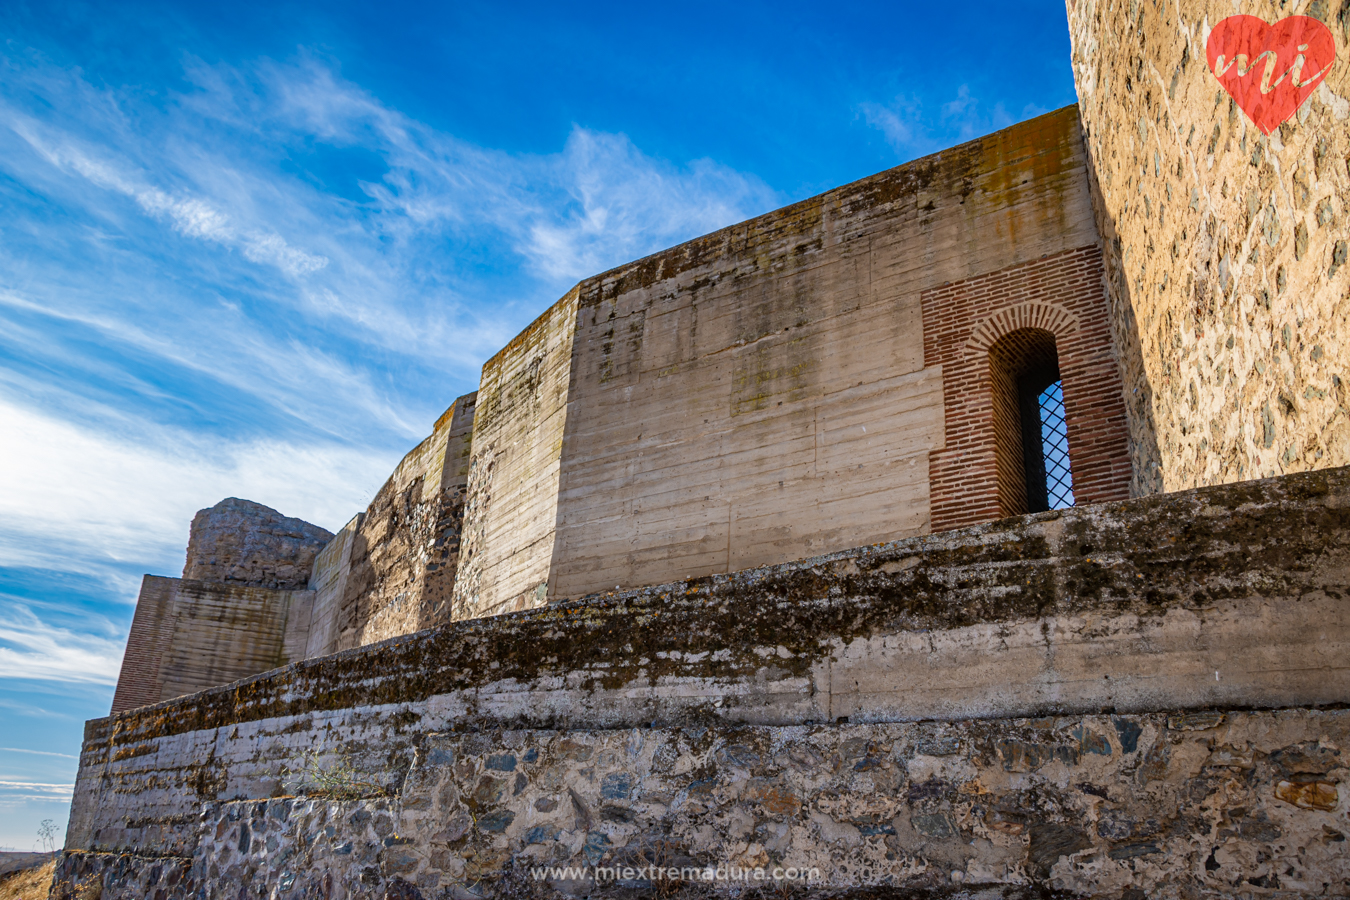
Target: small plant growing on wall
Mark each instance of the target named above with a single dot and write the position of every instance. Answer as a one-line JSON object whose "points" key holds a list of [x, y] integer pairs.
{"points": [[339, 780]]}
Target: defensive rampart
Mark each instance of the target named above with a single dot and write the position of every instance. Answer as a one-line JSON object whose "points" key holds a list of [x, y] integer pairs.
{"points": [[829, 375], [735, 718], [392, 569]]}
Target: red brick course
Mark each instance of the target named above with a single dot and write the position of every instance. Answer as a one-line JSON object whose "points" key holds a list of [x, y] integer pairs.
{"points": [[1064, 295], [139, 683]]}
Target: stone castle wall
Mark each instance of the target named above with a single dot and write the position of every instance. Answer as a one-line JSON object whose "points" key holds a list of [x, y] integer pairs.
{"points": [[1198, 805], [188, 636], [1226, 248], [394, 573], [1129, 699], [273, 589], [765, 393], [761, 394], [783, 691], [512, 495]]}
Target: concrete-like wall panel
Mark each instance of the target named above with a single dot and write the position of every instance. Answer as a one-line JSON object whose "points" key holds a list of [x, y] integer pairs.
{"points": [[187, 636], [223, 633], [758, 395], [512, 486], [138, 681], [328, 581]]}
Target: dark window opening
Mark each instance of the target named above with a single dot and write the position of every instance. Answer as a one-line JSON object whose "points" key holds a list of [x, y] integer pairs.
{"points": [[1045, 443], [1029, 423]]}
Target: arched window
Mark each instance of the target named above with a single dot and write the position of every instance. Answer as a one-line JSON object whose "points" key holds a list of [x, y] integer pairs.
{"points": [[1032, 448]]}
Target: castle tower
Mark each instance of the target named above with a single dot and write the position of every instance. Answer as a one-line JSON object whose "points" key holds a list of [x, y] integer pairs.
{"points": [[1226, 246]]}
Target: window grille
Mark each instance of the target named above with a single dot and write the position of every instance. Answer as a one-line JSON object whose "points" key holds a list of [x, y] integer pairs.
{"points": [[1055, 448]]}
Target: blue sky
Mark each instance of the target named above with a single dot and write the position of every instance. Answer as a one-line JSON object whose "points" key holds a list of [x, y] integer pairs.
{"points": [[255, 249]]}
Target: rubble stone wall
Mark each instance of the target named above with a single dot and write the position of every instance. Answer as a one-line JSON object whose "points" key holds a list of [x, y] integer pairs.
{"points": [[1226, 248], [242, 542], [1186, 805]]}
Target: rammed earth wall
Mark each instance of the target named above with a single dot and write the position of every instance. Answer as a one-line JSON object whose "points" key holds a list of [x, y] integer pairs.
{"points": [[762, 393], [393, 571], [1217, 598]]}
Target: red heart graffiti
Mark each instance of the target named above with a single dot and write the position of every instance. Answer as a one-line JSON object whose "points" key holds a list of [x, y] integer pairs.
{"points": [[1270, 69]]}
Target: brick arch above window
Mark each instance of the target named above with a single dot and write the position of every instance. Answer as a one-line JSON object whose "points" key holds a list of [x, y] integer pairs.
{"points": [[1045, 316], [1061, 294]]}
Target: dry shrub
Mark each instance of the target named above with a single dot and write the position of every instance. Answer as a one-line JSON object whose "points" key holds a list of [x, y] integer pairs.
{"points": [[28, 884]]}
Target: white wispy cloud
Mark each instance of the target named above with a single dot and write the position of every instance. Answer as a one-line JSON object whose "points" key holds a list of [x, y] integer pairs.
{"points": [[37, 752], [914, 128], [380, 273], [31, 790], [33, 649], [189, 215], [194, 306], [118, 501], [595, 204]]}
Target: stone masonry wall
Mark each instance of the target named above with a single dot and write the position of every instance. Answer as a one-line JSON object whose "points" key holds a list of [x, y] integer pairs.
{"points": [[1227, 596], [242, 542], [400, 568], [1227, 248], [1181, 806]]}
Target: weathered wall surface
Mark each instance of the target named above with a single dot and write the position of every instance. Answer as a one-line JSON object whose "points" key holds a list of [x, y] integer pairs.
{"points": [[759, 394], [400, 567], [328, 581], [242, 542], [1228, 276], [1200, 805], [187, 636], [389, 571], [512, 496], [1230, 596]]}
